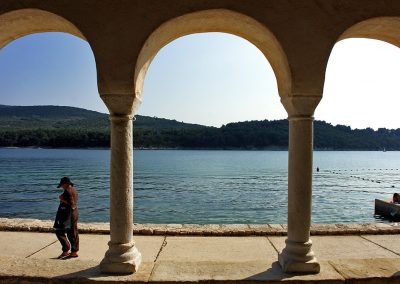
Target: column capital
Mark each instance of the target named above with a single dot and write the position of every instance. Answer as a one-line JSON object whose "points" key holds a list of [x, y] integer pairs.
{"points": [[301, 106], [121, 104], [122, 117]]}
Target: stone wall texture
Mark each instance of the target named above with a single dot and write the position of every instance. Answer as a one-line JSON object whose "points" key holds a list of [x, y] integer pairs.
{"points": [[33, 225]]}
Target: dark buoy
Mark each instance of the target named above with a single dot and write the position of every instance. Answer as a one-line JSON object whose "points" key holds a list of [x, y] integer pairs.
{"points": [[317, 169]]}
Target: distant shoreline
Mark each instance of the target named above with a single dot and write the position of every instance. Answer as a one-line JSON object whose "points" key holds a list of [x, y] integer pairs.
{"points": [[56, 127], [196, 149]]}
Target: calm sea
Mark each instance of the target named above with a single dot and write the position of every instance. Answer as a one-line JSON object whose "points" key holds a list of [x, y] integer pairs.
{"points": [[198, 186]]}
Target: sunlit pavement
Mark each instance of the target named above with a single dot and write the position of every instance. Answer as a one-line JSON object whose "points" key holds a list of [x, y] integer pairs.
{"points": [[31, 257]]}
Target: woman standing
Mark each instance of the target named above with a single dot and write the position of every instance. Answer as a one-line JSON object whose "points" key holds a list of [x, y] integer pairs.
{"points": [[66, 223]]}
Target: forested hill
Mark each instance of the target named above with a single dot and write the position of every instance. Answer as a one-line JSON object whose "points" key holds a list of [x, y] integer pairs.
{"points": [[56, 117], [56, 126]]}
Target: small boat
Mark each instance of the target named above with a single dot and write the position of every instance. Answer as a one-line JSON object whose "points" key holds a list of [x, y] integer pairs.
{"points": [[387, 210]]}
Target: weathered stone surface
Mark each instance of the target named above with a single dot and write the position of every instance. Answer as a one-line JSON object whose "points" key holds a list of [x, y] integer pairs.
{"points": [[191, 229], [349, 229], [235, 230], [373, 270], [173, 229], [25, 225], [217, 249], [94, 228], [32, 225], [159, 229], [22, 270], [390, 242], [211, 230], [341, 247], [194, 259], [323, 229], [260, 229], [24, 244], [380, 228], [93, 247], [277, 229], [143, 229], [245, 271]]}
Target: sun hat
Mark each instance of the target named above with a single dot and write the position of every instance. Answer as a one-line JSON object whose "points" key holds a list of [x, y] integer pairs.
{"points": [[65, 180]]}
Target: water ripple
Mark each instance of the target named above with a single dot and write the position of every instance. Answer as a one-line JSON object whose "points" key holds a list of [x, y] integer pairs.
{"points": [[197, 186]]}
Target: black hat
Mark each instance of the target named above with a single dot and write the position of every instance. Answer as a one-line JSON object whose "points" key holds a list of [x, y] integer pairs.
{"points": [[65, 180]]}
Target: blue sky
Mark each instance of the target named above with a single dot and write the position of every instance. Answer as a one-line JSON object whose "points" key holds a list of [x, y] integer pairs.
{"points": [[210, 79]]}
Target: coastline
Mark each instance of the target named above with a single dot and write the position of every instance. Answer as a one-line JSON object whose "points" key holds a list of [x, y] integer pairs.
{"points": [[34, 225], [195, 149]]}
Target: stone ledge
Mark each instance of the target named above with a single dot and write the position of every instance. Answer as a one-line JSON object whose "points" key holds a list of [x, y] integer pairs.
{"points": [[33, 225]]}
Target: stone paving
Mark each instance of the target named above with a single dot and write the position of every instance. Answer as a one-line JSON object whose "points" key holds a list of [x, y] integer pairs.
{"points": [[30, 257]]}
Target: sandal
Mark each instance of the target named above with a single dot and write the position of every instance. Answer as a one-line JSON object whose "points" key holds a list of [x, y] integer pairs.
{"points": [[63, 255], [73, 254]]}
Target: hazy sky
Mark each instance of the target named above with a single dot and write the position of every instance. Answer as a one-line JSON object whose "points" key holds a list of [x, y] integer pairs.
{"points": [[210, 79]]}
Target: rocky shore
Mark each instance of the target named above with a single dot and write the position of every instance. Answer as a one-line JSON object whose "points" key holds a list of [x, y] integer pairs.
{"points": [[33, 225]]}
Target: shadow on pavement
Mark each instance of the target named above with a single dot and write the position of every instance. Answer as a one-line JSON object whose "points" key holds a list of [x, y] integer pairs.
{"points": [[273, 273]]}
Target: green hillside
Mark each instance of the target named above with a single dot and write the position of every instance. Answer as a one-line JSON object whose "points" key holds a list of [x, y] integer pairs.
{"points": [[62, 117], [56, 126]]}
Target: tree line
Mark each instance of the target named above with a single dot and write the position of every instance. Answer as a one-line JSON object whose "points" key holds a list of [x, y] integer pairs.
{"points": [[242, 135]]}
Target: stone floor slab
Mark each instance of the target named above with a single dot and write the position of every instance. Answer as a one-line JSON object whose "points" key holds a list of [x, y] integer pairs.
{"points": [[343, 259], [236, 249], [378, 270], [341, 247], [248, 271], [23, 244], [93, 247], [29, 270], [390, 242]]}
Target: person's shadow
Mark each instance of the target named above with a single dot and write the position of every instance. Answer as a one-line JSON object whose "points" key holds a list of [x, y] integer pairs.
{"points": [[94, 272]]}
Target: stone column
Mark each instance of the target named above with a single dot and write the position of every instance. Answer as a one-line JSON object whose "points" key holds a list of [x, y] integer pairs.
{"points": [[122, 255], [298, 256]]}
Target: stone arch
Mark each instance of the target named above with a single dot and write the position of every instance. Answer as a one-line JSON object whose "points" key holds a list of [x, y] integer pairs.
{"points": [[19, 23], [382, 28], [219, 20], [385, 29]]}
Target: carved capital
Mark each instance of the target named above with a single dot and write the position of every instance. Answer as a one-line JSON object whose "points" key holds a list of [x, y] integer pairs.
{"points": [[301, 107], [121, 104], [121, 117]]}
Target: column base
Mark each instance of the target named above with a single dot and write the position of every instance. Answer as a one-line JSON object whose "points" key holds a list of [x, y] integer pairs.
{"points": [[121, 259], [297, 257]]}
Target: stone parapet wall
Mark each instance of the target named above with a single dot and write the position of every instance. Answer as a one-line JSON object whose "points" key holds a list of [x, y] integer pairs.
{"points": [[33, 225]]}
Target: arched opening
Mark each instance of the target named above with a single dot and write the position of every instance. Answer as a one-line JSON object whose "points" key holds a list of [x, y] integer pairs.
{"points": [[224, 21], [360, 98], [45, 60], [23, 22], [196, 186]]}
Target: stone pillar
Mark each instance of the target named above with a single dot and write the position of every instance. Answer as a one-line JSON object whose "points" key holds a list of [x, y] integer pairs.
{"points": [[122, 256], [297, 256]]}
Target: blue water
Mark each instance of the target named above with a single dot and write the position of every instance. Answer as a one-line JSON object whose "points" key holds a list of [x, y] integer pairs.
{"points": [[198, 186]]}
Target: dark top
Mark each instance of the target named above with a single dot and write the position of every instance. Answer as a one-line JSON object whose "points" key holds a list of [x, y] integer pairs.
{"points": [[70, 197], [67, 213]]}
